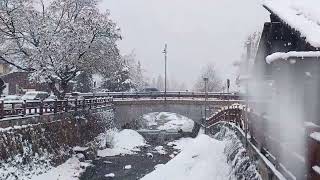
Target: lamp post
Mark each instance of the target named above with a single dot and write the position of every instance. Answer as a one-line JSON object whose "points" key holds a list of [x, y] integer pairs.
{"points": [[165, 52], [205, 79]]}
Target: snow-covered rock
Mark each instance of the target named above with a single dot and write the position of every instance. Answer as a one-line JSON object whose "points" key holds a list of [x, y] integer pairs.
{"points": [[160, 150], [169, 121], [127, 167], [124, 142], [70, 170], [149, 155], [110, 175]]}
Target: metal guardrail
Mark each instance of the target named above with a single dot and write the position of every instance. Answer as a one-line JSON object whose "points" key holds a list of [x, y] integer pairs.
{"points": [[24, 108], [170, 94]]}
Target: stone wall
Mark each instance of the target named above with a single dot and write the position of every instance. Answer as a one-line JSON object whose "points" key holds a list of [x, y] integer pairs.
{"points": [[52, 141]]}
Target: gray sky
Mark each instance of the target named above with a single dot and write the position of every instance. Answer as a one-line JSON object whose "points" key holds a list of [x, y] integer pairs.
{"points": [[197, 32]]}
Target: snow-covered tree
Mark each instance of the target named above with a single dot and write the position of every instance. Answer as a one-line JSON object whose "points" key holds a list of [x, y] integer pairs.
{"points": [[160, 83], [136, 71], [120, 80], [245, 64], [83, 82], [58, 39], [214, 82], [153, 82]]}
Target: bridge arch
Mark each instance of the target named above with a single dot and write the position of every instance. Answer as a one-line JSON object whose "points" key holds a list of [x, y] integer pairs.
{"points": [[126, 113]]}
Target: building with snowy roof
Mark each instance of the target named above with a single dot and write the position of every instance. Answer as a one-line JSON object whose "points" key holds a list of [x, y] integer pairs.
{"points": [[289, 52]]}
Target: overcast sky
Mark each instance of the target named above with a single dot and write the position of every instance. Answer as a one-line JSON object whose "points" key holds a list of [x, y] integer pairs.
{"points": [[197, 32]]}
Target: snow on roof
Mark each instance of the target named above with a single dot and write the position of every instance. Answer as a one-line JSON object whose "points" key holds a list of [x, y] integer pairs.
{"points": [[315, 136], [303, 16], [316, 169], [285, 56]]}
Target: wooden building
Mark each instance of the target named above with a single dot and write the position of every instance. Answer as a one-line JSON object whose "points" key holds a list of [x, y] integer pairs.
{"points": [[19, 83], [288, 57]]}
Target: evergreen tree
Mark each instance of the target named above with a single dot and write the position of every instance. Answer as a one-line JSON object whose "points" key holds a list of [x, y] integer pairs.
{"points": [[120, 81], [83, 82]]}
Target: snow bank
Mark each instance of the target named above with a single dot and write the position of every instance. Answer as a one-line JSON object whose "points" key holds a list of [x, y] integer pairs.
{"points": [[200, 158], [124, 142], [15, 167], [70, 170], [285, 56], [169, 121], [303, 16]]}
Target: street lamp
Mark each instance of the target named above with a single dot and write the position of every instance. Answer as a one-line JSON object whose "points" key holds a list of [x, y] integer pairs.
{"points": [[165, 52], [205, 79]]}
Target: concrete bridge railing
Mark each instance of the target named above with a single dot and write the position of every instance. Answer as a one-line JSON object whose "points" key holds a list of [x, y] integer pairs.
{"points": [[161, 94]]}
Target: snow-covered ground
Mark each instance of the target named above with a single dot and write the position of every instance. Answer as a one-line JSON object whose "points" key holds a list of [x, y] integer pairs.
{"points": [[200, 158], [70, 170], [122, 142], [168, 121]]}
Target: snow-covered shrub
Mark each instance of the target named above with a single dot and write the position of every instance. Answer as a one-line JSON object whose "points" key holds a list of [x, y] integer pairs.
{"points": [[242, 166]]}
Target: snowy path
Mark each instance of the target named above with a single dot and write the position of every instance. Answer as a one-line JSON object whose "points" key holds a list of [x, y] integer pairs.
{"points": [[201, 158]]}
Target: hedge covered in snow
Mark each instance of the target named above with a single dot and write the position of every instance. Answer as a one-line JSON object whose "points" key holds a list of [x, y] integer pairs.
{"points": [[242, 166]]}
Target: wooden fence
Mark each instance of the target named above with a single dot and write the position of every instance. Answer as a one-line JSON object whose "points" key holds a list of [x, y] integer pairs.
{"points": [[24, 108], [292, 163]]}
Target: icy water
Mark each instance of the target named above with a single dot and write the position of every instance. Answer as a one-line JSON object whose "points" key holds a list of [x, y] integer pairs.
{"points": [[141, 164]]}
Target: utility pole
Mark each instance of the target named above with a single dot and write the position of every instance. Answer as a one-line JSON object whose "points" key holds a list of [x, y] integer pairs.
{"points": [[165, 52], [205, 79], [247, 91]]}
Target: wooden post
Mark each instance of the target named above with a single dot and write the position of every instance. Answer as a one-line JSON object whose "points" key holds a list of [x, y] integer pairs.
{"points": [[55, 108], [90, 103], [2, 109], [41, 107], [66, 105], [24, 106], [76, 105], [12, 109], [84, 104]]}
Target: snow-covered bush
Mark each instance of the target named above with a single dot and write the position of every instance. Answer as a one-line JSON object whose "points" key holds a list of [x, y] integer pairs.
{"points": [[242, 166]]}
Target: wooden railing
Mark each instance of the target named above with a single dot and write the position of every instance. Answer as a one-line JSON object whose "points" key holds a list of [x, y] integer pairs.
{"points": [[303, 164], [24, 108]]}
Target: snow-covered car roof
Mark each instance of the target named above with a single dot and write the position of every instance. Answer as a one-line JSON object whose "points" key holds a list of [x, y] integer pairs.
{"points": [[303, 16], [12, 97]]}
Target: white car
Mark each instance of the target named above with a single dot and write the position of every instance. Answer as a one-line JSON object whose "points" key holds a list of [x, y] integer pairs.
{"points": [[12, 99], [35, 95]]}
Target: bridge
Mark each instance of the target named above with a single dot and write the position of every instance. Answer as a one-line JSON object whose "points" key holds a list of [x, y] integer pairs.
{"points": [[126, 111], [127, 105]]}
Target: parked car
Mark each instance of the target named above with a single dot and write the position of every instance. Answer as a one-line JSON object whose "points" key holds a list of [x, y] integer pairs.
{"points": [[35, 95], [151, 90], [51, 97], [12, 99], [75, 95]]}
